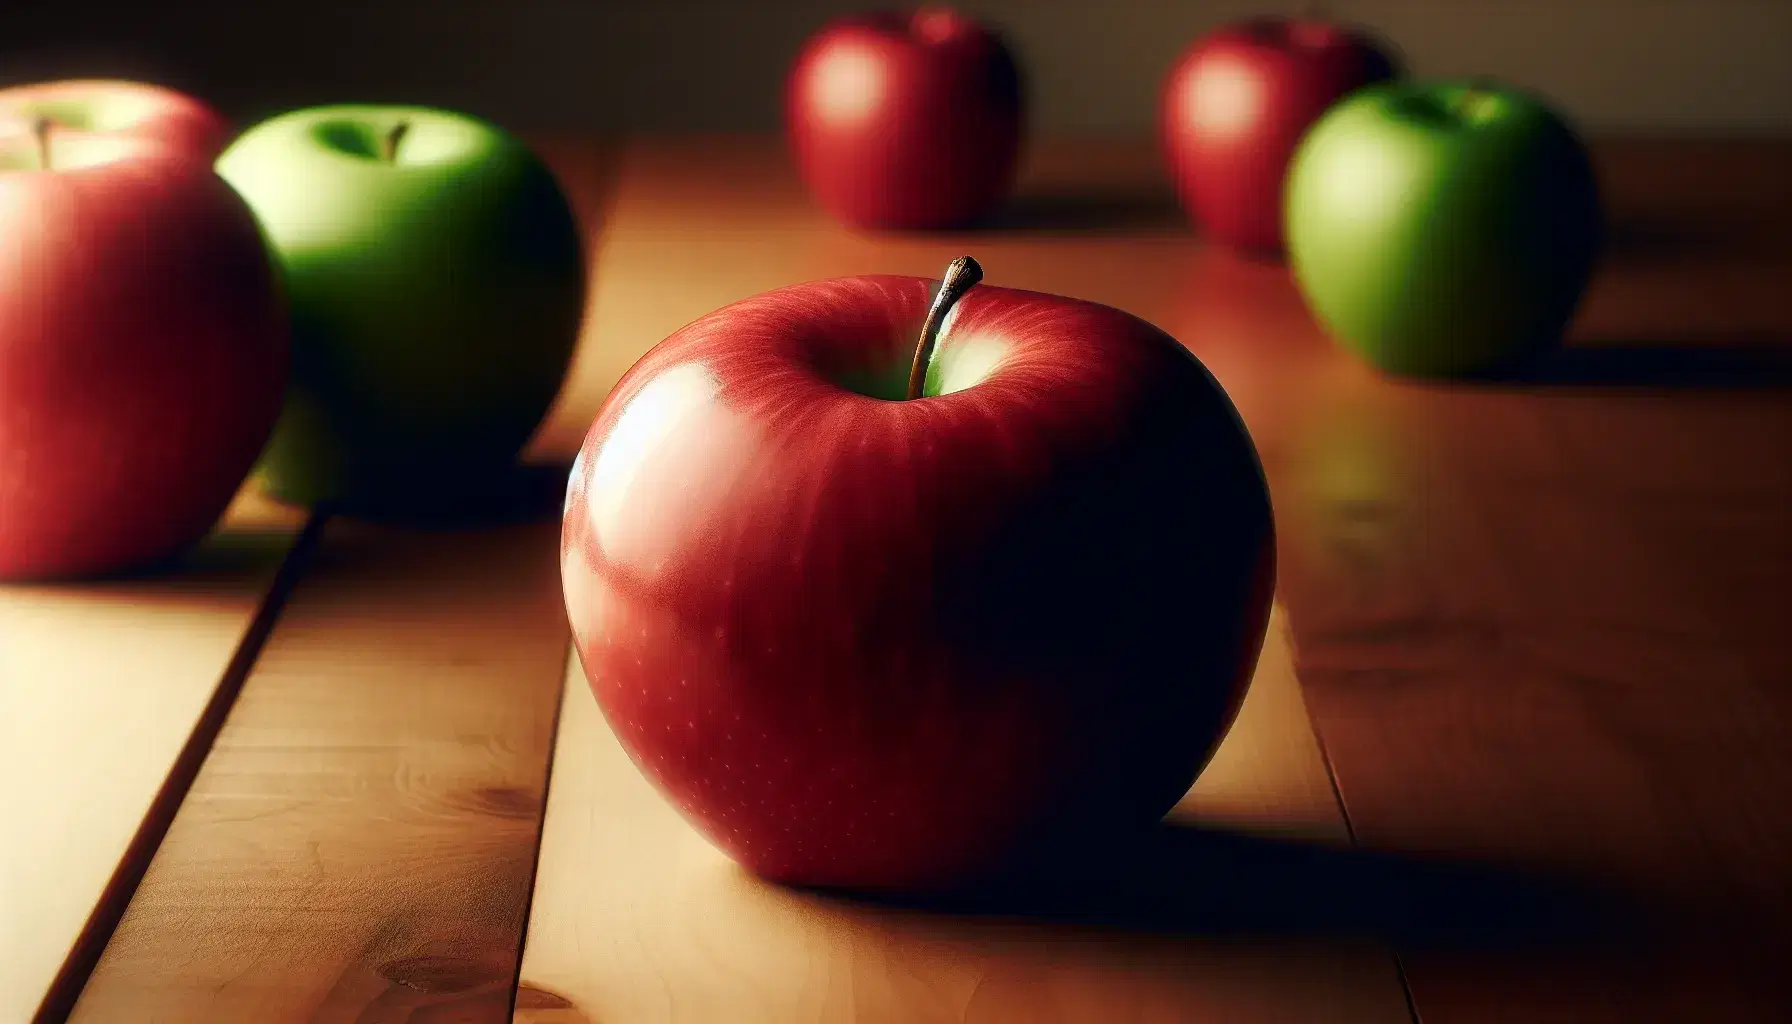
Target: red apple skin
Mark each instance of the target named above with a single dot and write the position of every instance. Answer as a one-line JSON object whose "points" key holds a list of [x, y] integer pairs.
{"points": [[143, 357], [1236, 105], [906, 121], [894, 645], [184, 122]]}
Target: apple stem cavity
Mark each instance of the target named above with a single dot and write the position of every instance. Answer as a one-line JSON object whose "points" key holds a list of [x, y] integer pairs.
{"points": [[389, 148], [1479, 92], [963, 274], [40, 129]]}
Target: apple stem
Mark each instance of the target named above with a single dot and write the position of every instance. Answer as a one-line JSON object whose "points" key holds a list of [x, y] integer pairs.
{"points": [[393, 138], [1314, 10], [963, 273], [40, 127]]}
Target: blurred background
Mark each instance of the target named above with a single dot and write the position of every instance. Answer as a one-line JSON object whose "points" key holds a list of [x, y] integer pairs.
{"points": [[1654, 67]]}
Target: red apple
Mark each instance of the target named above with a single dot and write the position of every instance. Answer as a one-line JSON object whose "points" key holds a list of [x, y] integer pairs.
{"points": [[1237, 103], [869, 642], [143, 351], [906, 120], [120, 108]]}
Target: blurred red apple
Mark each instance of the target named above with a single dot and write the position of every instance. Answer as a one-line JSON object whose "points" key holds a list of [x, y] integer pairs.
{"points": [[1238, 102], [906, 120], [120, 108], [143, 351], [871, 642]]}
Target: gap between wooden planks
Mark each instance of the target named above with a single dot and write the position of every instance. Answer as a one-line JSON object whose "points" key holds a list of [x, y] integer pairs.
{"points": [[637, 919], [109, 695], [360, 840]]}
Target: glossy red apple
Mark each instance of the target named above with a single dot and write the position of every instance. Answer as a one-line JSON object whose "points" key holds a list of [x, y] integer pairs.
{"points": [[871, 642], [910, 120], [143, 351], [1238, 102], [110, 107]]}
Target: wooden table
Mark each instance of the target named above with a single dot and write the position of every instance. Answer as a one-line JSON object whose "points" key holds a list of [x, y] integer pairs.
{"points": [[1520, 747]]}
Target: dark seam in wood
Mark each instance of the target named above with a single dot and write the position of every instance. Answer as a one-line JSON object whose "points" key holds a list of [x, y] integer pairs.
{"points": [[65, 989], [1331, 778], [541, 821]]}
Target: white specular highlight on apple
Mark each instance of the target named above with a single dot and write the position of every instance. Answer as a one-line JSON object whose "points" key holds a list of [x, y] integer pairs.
{"points": [[653, 442], [652, 416], [1359, 182], [1225, 100], [966, 362], [850, 84]]}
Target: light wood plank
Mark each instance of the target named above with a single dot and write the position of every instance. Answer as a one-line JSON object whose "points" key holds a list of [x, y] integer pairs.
{"points": [[102, 686], [359, 843], [637, 919]]}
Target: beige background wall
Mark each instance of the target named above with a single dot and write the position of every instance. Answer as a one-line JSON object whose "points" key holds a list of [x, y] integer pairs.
{"points": [[1656, 66]]}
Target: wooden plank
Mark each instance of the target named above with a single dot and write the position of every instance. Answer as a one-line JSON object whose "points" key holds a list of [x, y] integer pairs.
{"points": [[1570, 657], [359, 843], [109, 694], [637, 919], [1547, 623]]}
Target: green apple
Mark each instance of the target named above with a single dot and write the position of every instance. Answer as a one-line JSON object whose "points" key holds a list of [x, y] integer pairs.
{"points": [[437, 284], [1442, 228]]}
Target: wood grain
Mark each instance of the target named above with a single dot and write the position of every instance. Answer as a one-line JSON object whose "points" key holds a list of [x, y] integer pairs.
{"points": [[103, 686], [637, 919], [1556, 639], [359, 843], [1544, 622]]}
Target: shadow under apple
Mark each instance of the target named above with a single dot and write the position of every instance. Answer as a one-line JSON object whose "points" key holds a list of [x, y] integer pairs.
{"points": [[449, 501], [1195, 880], [230, 557], [1656, 239], [1741, 363]]}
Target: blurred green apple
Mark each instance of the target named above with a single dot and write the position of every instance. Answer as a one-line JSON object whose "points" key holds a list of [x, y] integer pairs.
{"points": [[1442, 228], [437, 284]]}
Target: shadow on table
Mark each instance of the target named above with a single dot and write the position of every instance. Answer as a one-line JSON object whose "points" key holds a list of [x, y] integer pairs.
{"points": [[1643, 239], [1194, 880], [1744, 363], [236, 556], [524, 494]]}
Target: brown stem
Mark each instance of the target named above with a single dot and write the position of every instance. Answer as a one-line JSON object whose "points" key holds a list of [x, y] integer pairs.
{"points": [[40, 128], [963, 273], [1315, 10], [389, 150]]}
